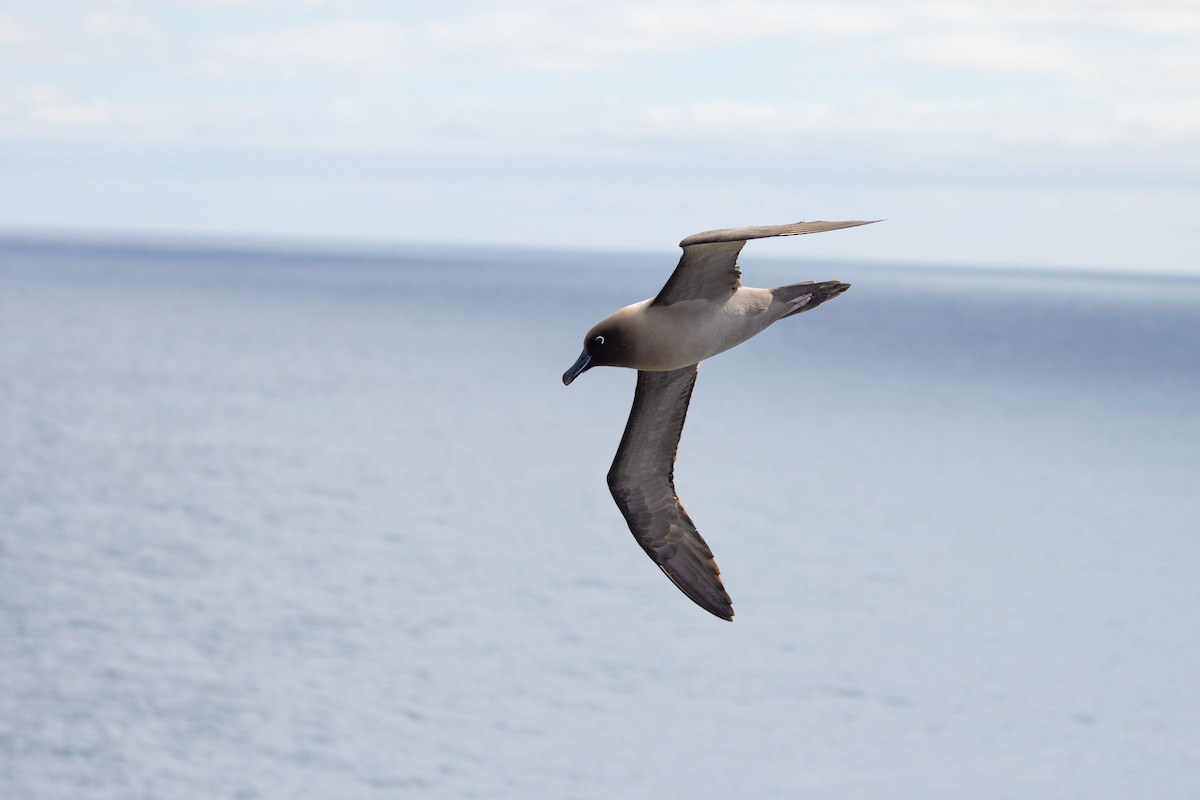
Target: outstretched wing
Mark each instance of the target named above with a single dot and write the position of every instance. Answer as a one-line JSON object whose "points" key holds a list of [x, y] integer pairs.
{"points": [[708, 268], [642, 483]]}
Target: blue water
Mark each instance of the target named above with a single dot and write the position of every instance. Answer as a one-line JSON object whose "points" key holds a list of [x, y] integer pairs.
{"points": [[306, 524]]}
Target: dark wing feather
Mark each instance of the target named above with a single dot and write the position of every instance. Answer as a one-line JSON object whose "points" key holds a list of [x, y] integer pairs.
{"points": [[705, 271], [708, 268], [642, 483]]}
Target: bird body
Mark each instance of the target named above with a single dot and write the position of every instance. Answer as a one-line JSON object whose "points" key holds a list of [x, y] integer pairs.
{"points": [[701, 311], [711, 327]]}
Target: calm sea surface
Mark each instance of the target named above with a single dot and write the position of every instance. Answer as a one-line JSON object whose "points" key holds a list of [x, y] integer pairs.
{"points": [[305, 524]]}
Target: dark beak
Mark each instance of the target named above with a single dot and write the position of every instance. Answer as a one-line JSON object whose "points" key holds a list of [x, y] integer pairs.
{"points": [[577, 369]]}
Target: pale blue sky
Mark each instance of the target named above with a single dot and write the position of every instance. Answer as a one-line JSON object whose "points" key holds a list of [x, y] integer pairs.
{"points": [[1044, 133]]}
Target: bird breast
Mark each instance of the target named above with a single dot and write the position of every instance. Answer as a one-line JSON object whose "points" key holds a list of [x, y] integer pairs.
{"points": [[690, 331]]}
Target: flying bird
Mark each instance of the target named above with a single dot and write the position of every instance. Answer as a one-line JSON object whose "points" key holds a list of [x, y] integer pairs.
{"points": [[702, 310]]}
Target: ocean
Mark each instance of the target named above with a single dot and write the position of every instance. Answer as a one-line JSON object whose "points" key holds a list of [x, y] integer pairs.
{"points": [[301, 522]]}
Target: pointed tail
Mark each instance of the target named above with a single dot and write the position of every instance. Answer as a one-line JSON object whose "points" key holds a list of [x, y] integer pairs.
{"points": [[803, 296]]}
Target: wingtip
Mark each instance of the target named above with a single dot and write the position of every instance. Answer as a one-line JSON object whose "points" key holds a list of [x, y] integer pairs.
{"points": [[721, 608], [733, 235], [716, 602]]}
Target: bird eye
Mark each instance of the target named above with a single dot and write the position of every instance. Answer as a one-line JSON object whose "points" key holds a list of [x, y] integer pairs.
{"points": [[599, 340]]}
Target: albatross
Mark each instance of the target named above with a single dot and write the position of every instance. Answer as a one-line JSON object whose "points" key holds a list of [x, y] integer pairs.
{"points": [[702, 310]]}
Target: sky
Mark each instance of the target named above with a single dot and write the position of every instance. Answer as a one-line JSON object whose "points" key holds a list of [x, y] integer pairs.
{"points": [[1051, 133]]}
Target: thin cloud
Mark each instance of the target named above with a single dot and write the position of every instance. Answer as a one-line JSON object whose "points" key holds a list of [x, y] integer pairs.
{"points": [[47, 112], [932, 93], [989, 51], [354, 48]]}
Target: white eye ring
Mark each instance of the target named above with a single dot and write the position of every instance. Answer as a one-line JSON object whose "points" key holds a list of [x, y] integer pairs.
{"points": [[599, 340]]}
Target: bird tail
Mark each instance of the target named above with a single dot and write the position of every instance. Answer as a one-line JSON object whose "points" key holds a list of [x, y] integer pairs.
{"points": [[804, 296]]}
